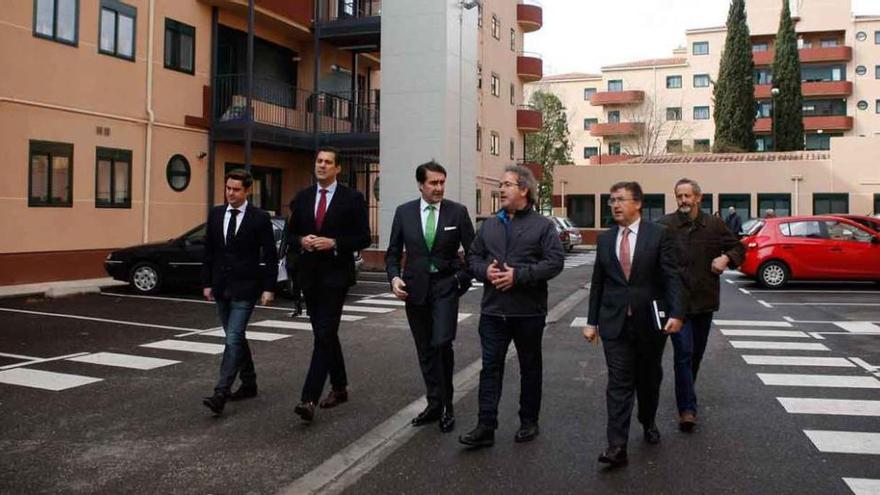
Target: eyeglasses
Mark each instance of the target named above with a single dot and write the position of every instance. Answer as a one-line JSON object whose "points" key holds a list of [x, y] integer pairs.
{"points": [[614, 201], [508, 184]]}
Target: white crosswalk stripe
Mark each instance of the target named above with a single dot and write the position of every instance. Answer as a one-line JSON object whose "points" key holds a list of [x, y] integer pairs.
{"points": [[863, 486], [765, 333], [123, 360], [845, 442], [832, 362], [577, 260], [784, 346], [367, 309], [291, 325], [833, 407], [382, 302], [256, 336], [463, 316], [46, 380], [859, 326], [186, 346], [752, 323], [580, 321], [831, 381]]}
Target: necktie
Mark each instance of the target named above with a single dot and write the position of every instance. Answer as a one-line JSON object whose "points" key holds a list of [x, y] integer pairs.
{"points": [[322, 210], [430, 227], [625, 261], [230, 229]]}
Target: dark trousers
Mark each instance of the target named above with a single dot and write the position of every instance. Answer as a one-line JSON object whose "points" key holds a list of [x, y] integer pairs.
{"points": [[635, 370], [689, 345], [325, 313], [237, 359], [433, 327], [496, 332]]}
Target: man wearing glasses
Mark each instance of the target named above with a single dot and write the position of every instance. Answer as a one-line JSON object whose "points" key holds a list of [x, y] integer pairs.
{"points": [[635, 272]]}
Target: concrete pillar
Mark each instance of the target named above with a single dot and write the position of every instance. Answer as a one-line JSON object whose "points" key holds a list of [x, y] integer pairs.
{"points": [[429, 100]]}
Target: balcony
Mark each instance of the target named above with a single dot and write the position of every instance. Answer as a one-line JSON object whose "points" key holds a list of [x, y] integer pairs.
{"points": [[529, 119], [617, 129], [812, 123], [529, 66], [608, 159], [631, 97], [529, 15], [284, 116], [809, 55], [353, 24], [811, 89]]}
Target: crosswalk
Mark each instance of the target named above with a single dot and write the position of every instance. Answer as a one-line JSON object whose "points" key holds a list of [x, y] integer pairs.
{"points": [[580, 259], [817, 375]]}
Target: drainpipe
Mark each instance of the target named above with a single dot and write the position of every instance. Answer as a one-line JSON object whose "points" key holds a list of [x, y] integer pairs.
{"points": [[151, 119]]}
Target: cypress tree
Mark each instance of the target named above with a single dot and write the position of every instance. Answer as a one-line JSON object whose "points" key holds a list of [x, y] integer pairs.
{"points": [[788, 120], [734, 91]]}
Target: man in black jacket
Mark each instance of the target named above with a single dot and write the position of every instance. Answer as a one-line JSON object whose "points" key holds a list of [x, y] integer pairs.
{"points": [[431, 229], [238, 237], [635, 266], [329, 222], [705, 249], [514, 254]]}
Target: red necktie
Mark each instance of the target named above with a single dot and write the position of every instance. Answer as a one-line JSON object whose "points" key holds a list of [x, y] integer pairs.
{"points": [[322, 209], [625, 261]]}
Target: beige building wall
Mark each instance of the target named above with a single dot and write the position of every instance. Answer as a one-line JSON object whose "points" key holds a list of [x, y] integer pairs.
{"points": [[867, 87]]}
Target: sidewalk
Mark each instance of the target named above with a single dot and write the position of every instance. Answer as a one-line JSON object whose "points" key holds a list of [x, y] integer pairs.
{"points": [[59, 289]]}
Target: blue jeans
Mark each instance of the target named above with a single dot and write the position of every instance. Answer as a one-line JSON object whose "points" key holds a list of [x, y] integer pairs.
{"points": [[689, 346], [234, 316]]}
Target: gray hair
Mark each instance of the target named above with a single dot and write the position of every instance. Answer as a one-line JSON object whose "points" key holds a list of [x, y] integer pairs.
{"points": [[525, 180], [685, 181]]}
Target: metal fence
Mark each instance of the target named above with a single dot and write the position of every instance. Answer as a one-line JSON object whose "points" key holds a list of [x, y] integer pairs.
{"points": [[332, 10]]}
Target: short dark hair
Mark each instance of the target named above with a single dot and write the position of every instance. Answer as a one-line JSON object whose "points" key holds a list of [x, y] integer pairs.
{"points": [[240, 174], [525, 180], [422, 170], [330, 149], [633, 187], [685, 181]]}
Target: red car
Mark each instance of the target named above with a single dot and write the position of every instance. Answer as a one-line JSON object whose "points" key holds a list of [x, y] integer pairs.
{"points": [[872, 223], [822, 247]]}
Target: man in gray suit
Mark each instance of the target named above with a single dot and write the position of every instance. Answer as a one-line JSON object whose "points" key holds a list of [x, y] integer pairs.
{"points": [[431, 229]]}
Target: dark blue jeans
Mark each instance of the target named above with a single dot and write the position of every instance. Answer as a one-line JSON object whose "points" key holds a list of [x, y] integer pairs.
{"points": [[234, 316], [496, 332], [689, 346]]}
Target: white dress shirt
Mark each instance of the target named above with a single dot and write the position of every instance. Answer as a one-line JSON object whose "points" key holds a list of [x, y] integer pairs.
{"points": [[331, 189], [423, 205], [238, 218], [633, 234]]}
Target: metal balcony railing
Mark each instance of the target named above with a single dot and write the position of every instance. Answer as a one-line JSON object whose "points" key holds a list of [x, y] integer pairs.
{"points": [[333, 10]]}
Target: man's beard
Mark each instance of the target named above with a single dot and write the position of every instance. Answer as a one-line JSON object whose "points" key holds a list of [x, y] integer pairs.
{"points": [[685, 209]]}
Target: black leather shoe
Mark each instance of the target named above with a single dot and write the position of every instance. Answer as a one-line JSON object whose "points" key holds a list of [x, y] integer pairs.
{"points": [[526, 433], [481, 436], [244, 392], [305, 410], [616, 456], [447, 422], [297, 309], [652, 435], [215, 403], [429, 415]]}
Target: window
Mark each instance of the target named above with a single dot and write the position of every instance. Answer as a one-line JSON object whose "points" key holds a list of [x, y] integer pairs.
{"points": [[57, 20], [763, 143], [673, 113], [495, 85], [829, 43], [823, 73], [605, 216], [479, 76], [512, 94], [653, 207], [673, 82], [764, 76], [494, 144], [589, 122], [779, 203], [496, 27], [615, 85], [862, 105], [581, 209], [674, 146], [479, 15], [706, 203], [512, 149], [839, 231], [760, 47], [177, 173], [876, 106], [588, 92], [112, 178], [702, 146], [479, 201], [590, 151], [701, 113], [614, 117], [822, 141], [117, 28], [830, 203], [701, 48], [180, 46], [50, 174], [765, 108], [512, 40], [701, 80], [479, 138], [877, 72], [824, 107], [877, 203], [742, 203], [877, 37], [802, 229], [861, 70], [613, 148]]}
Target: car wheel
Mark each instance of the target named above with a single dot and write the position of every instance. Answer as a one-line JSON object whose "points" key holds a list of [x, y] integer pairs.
{"points": [[773, 274], [145, 278]]}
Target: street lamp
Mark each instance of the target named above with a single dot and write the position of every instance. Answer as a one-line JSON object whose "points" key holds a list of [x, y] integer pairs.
{"points": [[774, 92]]}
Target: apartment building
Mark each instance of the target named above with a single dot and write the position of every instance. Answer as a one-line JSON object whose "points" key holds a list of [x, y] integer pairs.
{"points": [[120, 118]]}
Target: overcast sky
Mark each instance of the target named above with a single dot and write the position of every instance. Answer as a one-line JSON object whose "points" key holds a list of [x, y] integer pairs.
{"points": [[584, 35]]}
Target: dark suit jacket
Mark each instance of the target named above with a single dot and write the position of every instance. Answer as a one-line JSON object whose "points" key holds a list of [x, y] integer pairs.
{"points": [[654, 275], [345, 221], [454, 229], [234, 271]]}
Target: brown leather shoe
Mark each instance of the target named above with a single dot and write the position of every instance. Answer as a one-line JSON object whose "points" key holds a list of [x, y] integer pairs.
{"points": [[686, 421], [305, 410], [334, 398]]}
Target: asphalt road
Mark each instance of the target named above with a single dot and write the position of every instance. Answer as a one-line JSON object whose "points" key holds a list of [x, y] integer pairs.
{"points": [[115, 429]]}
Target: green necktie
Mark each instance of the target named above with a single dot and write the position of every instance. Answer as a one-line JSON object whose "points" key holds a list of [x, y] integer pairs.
{"points": [[430, 227]]}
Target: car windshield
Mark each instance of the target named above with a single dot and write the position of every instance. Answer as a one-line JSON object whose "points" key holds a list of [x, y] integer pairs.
{"points": [[196, 235], [751, 227]]}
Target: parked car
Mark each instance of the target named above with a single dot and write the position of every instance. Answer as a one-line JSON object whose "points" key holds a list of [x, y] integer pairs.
{"points": [[573, 233], [148, 268], [821, 247], [872, 223], [564, 236]]}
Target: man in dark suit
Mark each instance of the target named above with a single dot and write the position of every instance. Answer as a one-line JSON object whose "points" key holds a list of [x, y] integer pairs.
{"points": [[431, 229], [329, 222], [238, 237], [635, 266]]}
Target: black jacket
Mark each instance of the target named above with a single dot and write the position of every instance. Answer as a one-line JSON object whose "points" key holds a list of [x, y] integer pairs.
{"points": [[697, 244], [653, 275], [345, 221], [234, 271], [454, 229], [530, 245]]}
